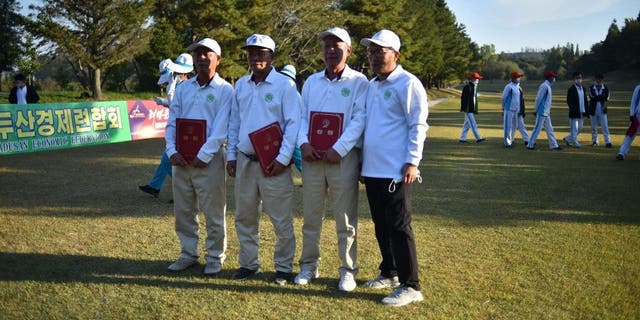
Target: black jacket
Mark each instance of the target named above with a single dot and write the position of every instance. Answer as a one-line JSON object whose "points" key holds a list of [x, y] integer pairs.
{"points": [[466, 99], [574, 103], [521, 111], [32, 95], [595, 98]]}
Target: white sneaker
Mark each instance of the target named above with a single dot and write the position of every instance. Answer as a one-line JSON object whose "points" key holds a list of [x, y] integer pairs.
{"points": [[212, 268], [347, 281], [401, 296], [181, 264], [305, 276], [382, 282]]}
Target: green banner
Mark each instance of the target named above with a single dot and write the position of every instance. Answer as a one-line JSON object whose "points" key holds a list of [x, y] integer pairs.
{"points": [[39, 127]]}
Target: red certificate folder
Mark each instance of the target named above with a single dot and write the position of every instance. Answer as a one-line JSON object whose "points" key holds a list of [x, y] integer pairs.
{"points": [[266, 143], [190, 136], [324, 130]]}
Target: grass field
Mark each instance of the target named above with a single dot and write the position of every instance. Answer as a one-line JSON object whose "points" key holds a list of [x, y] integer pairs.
{"points": [[501, 234]]}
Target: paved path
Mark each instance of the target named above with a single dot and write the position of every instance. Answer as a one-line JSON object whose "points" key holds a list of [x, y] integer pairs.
{"points": [[436, 101]]}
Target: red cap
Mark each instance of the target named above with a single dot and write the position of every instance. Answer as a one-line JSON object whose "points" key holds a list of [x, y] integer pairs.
{"points": [[516, 74], [475, 75], [549, 74]]}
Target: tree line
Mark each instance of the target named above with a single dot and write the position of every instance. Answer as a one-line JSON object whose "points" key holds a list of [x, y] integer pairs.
{"points": [[117, 44], [111, 43], [618, 52]]}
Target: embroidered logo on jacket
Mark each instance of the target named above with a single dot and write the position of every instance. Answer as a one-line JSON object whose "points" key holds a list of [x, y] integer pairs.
{"points": [[268, 97]]}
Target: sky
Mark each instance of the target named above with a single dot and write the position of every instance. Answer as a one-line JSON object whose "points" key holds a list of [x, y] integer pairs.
{"points": [[540, 24]]}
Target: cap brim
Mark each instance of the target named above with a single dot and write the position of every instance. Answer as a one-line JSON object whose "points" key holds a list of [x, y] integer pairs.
{"points": [[325, 34], [164, 78], [181, 69], [368, 41], [195, 46], [256, 46]]}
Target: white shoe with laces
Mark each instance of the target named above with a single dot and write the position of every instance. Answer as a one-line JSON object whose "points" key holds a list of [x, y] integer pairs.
{"points": [[305, 276], [382, 282], [347, 281], [401, 296]]}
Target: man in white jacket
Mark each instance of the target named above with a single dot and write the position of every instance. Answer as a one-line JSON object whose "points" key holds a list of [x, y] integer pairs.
{"points": [[395, 130], [199, 183], [337, 92]]}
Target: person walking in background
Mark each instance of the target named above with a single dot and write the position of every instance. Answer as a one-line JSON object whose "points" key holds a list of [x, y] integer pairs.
{"points": [[199, 112], [543, 113], [634, 126], [597, 110], [171, 74], [577, 102], [263, 98], [520, 125], [395, 131], [469, 105], [513, 111], [22, 93], [334, 95]]}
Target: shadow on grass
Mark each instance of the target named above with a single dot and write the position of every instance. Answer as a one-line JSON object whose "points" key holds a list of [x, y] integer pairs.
{"points": [[105, 270], [471, 183]]}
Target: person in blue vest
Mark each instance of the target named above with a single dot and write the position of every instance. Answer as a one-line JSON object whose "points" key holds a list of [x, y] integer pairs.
{"points": [[577, 102], [469, 105]]}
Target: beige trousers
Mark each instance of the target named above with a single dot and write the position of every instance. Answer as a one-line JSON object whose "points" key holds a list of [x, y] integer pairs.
{"points": [[201, 189], [340, 183], [276, 194]]}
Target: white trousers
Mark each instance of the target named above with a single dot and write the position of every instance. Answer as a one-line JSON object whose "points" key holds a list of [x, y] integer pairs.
{"points": [[575, 126], [340, 182], [600, 118], [201, 189], [469, 123], [543, 122], [276, 194], [522, 129], [510, 120], [626, 143]]}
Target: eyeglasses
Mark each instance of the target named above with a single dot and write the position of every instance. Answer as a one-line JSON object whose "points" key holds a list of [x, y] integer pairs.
{"points": [[260, 55], [378, 51]]}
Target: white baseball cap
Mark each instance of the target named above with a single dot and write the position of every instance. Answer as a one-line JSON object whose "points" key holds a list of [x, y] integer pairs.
{"points": [[183, 64], [260, 40], [207, 43], [290, 71], [383, 38], [342, 34]]}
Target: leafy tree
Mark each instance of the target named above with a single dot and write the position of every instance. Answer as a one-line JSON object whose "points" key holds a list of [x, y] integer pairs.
{"points": [[427, 52], [30, 63], [455, 44], [9, 34], [365, 17], [98, 34]]}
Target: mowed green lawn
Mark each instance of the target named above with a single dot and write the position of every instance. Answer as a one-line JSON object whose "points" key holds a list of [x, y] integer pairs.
{"points": [[501, 234]]}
